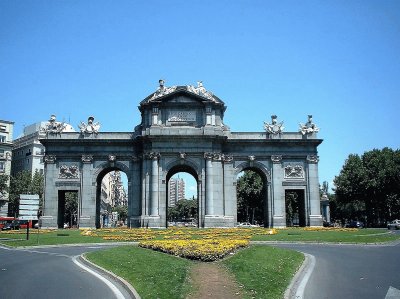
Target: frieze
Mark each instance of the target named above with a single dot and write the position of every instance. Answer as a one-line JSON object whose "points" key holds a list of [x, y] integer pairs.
{"points": [[217, 156], [87, 158], [69, 172], [50, 159], [294, 171]]}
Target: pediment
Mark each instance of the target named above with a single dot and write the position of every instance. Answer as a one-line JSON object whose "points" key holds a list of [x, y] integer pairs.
{"points": [[182, 94]]}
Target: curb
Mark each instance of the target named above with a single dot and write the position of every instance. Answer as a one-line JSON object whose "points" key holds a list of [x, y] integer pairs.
{"points": [[296, 287], [126, 285]]}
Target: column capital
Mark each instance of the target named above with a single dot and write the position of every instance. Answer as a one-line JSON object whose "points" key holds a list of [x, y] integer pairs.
{"points": [[87, 159], [276, 159], [153, 156], [227, 158], [208, 156], [312, 159], [50, 159]]}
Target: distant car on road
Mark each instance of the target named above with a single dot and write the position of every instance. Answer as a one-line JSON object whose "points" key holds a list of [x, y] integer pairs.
{"points": [[355, 224], [395, 224], [11, 226]]}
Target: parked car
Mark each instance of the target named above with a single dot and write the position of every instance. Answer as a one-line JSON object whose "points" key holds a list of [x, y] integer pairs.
{"points": [[11, 226], [355, 224], [395, 224]]}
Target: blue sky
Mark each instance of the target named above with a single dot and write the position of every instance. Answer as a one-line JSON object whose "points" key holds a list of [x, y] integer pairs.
{"points": [[337, 60]]}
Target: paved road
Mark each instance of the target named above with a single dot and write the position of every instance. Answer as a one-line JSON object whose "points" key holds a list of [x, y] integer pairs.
{"points": [[351, 271], [49, 273]]}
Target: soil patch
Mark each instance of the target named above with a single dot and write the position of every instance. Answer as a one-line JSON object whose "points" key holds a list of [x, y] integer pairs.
{"points": [[211, 280]]}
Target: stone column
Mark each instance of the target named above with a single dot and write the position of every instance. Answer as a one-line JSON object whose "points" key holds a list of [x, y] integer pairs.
{"points": [[279, 219], [209, 184], [154, 184], [50, 202], [313, 191], [134, 193], [87, 202]]}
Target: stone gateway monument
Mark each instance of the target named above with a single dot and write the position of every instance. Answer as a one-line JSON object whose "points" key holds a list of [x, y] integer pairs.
{"points": [[182, 130]]}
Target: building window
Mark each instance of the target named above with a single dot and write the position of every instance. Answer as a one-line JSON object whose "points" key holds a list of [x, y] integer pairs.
{"points": [[3, 128], [2, 138], [1, 153], [2, 168]]}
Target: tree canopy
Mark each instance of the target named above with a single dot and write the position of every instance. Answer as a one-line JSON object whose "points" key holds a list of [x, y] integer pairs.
{"points": [[250, 194], [368, 187], [24, 183]]}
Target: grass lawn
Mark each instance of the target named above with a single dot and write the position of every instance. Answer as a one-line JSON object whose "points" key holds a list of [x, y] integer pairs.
{"points": [[71, 236], [262, 271], [153, 274], [37, 237], [361, 236]]}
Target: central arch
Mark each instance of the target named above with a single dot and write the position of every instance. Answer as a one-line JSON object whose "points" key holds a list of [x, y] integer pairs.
{"points": [[101, 172], [260, 170], [187, 168]]}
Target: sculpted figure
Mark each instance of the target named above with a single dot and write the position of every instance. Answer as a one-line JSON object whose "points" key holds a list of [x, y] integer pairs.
{"points": [[162, 90], [274, 127], [309, 127], [90, 127], [53, 126]]}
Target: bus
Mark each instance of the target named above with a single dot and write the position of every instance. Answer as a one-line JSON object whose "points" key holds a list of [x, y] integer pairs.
{"points": [[14, 223]]}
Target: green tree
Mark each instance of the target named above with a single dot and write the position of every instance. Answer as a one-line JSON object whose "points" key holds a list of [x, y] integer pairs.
{"points": [[368, 187], [3, 185], [250, 196], [122, 212], [19, 184], [71, 208], [24, 183], [183, 210]]}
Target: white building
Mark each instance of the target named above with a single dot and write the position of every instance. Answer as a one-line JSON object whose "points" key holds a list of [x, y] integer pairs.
{"points": [[176, 191], [6, 136], [28, 152]]}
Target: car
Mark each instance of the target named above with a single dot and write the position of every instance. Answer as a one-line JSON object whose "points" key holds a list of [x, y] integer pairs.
{"points": [[11, 226], [395, 224], [355, 224]]}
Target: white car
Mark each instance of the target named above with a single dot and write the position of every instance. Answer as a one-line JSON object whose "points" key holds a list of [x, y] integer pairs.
{"points": [[395, 224]]}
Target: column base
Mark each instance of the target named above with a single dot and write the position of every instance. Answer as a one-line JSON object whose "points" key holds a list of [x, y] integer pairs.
{"points": [[218, 221], [48, 222], [151, 221], [278, 222], [87, 222], [316, 220]]}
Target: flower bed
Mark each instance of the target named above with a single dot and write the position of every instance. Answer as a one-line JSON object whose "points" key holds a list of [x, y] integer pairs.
{"points": [[203, 250]]}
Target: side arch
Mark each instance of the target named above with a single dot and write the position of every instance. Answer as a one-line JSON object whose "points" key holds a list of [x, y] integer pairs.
{"points": [[253, 165], [97, 177], [265, 174]]}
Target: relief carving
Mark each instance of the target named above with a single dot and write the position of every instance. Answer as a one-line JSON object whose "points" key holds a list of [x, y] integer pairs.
{"points": [[69, 172], [294, 171]]}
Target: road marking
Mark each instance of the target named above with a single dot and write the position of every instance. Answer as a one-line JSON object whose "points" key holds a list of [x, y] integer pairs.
{"points": [[393, 293], [306, 277], [113, 288]]}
